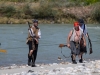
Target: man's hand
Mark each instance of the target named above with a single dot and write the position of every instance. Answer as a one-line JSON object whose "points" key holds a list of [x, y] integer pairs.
{"points": [[84, 44], [68, 45], [37, 37]]}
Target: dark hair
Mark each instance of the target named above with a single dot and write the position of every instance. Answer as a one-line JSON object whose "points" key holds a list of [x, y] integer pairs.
{"points": [[35, 21], [81, 21]]}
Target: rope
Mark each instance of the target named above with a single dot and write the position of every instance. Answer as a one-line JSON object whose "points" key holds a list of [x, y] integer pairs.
{"points": [[64, 55]]}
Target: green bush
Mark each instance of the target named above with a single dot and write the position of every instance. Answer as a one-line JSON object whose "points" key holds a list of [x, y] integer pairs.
{"points": [[23, 13], [27, 11], [88, 2], [95, 13], [44, 11], [7, 11]]}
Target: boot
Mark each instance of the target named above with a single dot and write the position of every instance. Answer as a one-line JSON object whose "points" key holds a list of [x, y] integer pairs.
{"points": [[33, 63], [81, 61], [72, 58], [29, 60], [74, 62]]}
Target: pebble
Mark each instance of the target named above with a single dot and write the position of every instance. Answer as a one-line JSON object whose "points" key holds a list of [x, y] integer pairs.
{"points": [[84, 69]]}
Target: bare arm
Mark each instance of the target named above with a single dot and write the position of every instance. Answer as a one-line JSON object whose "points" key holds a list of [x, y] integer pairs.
{"points": [[87, 35], [68, 38], [83, 37]]}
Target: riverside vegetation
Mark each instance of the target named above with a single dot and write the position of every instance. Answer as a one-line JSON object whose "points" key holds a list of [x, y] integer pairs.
{"points": [[49, 11]]}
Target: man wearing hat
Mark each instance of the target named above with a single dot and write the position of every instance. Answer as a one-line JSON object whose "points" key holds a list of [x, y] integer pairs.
{"points": [[33, 40], [73, 41]]}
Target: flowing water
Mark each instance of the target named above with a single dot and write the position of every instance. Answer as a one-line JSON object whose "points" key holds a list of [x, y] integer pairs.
{"points": [[13, 39]]}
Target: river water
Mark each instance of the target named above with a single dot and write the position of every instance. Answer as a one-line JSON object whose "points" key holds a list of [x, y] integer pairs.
{"points": [[13, 39]]}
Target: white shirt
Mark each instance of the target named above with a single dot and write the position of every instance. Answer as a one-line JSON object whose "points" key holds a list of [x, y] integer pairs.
{"points": [[85, 30], [32, 34], [74, 34], [39, 33]]}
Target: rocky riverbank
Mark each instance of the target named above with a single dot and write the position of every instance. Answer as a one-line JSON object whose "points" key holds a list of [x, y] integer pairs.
{"points": [[64, 68]]}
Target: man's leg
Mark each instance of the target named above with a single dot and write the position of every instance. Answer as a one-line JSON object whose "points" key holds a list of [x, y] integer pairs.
{"points": [[30, 57], [34, 55], [74, 60], [82, 51], [81, 57], [35, 52], [72, 57], [29, 60], [30, 52], [33, 62], [73, 52]]}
